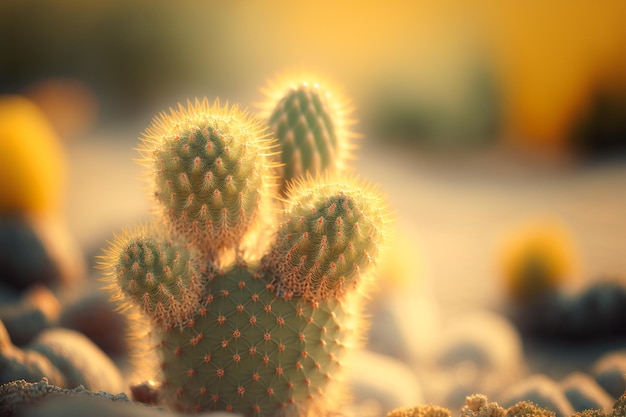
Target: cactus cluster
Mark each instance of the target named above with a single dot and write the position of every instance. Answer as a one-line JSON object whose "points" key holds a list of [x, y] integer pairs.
{"points": [[252, 296]]}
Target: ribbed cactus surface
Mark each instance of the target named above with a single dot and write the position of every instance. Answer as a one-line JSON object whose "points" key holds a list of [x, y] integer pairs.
{"points": [[209, 171], [310, 122], [160, 278], [251, 352], [330, 230], [306, 132]]}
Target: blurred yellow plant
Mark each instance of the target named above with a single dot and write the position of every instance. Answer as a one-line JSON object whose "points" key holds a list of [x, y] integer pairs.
{"points": [[32, 161], [536, 258]]}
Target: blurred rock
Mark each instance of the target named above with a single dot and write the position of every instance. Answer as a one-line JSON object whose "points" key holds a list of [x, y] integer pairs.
{"points": [[610, 373], [17, 396], [592, 313], [540, 390], [36, 310], [380, 383], [24, 260], [601, 308], [102, 405], [477, 352], [81, 362], [584, 393], [37, 250], [111, 332], [67, 358], [404, 324], [16, 364]]}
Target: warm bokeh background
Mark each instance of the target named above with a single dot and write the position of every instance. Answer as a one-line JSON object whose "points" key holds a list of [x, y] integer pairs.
{"points": [[477, 117], [500, 111], [545, 76]]}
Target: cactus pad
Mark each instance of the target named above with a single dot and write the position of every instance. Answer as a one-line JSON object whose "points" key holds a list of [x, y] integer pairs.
{"points": [[159, 277], [260, 330], [330, 231], [209, 165], [251, 352]]}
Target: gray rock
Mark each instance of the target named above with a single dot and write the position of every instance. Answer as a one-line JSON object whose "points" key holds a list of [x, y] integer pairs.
{"points": [[101, 406], [40, 399], [477, 352], [79, 359], [381, 382], [540, 390], [17, 364], [17, 396], [584, 393], [32, 311], [610, 373]]}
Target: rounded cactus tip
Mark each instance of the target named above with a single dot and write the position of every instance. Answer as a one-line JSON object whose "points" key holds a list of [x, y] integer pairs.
{"points": [[159, 277], [209, 167], [330, 233], [311, 121]]}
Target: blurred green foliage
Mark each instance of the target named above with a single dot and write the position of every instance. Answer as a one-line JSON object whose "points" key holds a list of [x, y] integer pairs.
{"points": [[128, 52]]}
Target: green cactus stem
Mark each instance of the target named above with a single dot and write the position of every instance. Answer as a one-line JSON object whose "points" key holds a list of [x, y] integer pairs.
{"points": [[209, 166], [160, 278], [330, 231], [310, 120], [250, 352]]}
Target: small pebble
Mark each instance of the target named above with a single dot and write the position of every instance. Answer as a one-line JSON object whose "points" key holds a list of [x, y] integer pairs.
{"points": [[610, 373], [584, 393]]}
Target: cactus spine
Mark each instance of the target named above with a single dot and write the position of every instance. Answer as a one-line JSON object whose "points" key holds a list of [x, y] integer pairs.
{"points": [[208, 175], [330, 230], [311, 121], [260, 333], [160, 278]]}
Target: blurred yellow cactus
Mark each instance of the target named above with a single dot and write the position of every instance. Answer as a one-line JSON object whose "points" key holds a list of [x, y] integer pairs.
{"points": [[32, 162], [536, 259]]}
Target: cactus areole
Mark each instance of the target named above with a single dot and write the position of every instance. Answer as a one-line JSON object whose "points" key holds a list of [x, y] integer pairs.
{"points": [[252, 352]]}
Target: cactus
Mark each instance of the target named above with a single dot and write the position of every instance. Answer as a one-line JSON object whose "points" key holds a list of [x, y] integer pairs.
{"points": [[310, 120], [262, 332], [160, 278], [536, 260], [206, 172], [331, 229]]}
